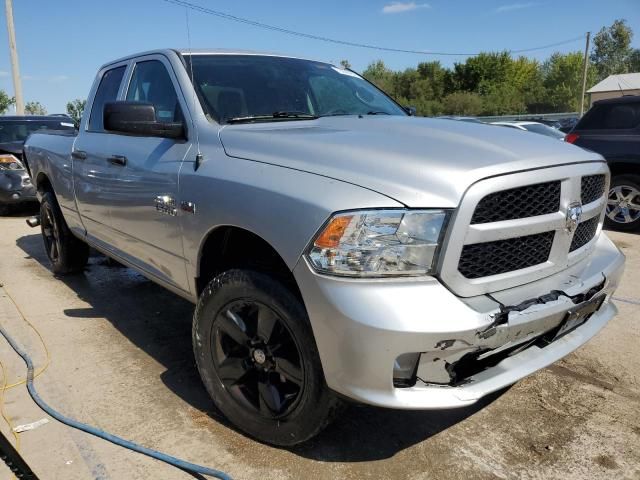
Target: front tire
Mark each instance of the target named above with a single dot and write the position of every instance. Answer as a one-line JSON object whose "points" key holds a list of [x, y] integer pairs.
{"points": [[66, 253], [623, 205], [258, 359]]}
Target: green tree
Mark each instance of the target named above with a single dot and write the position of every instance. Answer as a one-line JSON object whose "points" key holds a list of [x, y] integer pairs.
{"points": [[462, 103], [378, 73], [503, 99], [34, 108], [525, 75], [563, 80], [345, 64], [481, 72], [75, 109], [634, 60], [5, 101], [495, 83], [434, 81], [612, 49]]}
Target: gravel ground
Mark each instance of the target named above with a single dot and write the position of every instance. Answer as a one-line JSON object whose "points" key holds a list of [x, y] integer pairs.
{"points": [[121, 359]]}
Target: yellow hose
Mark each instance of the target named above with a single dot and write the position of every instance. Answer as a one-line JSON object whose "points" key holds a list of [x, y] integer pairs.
{"points": [[2, 411], [39, 371]]}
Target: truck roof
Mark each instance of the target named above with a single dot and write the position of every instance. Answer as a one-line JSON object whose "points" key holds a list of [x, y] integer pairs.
{"points": [[198, 51]]}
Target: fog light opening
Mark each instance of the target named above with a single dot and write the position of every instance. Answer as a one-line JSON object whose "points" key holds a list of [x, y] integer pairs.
{"points": [[404, 370]]}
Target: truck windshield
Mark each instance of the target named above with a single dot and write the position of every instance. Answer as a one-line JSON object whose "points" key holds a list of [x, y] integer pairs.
{"points": [[19, 130], [234, 88]]}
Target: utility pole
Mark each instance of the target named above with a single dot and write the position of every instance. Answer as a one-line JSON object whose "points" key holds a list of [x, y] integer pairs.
{"points": [[584, 73], [17, 82]]}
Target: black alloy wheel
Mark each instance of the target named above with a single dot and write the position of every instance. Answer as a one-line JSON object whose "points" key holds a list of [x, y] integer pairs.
{"points": [[50, 233], [67, 253], [257, 358]]}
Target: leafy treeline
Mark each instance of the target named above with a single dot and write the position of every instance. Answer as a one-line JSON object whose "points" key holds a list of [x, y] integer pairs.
{"points": [[498, 84]]}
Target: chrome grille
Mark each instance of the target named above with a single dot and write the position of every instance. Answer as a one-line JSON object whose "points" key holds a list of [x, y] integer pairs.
{"points": [[592, 188], [584, 233], [522, 202], [492, 258], [493, 247]]}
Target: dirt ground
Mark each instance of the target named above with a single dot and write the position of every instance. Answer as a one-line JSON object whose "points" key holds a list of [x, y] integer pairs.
{"points": [[121, 360]]}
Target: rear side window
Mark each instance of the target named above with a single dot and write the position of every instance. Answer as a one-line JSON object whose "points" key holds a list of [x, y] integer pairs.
{"points": [[611, 117], [151, 83], [107, 92]]}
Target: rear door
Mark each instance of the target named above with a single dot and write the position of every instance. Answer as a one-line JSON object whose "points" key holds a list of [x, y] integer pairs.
{"points": [[145, 206], [93, 173]]}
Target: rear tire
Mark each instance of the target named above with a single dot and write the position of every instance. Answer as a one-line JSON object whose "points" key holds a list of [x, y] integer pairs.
{"points": [[66, 253], [258, 359], [623, 206]]}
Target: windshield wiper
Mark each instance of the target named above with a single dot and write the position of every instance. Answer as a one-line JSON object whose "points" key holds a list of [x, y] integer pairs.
{"points": [[378, 113], [281, 115]]}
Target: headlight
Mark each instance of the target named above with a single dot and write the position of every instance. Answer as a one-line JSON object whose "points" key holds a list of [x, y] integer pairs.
{"points": [[9, 162], [376, 243]]}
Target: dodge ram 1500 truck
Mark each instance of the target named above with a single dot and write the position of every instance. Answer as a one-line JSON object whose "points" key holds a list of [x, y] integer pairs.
{"points": [[337, 247]]}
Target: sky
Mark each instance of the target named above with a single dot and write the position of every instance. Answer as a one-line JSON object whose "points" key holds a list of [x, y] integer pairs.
{"points": [[62, 43]]}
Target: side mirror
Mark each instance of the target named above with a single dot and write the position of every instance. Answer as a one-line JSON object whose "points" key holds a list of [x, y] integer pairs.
{"points": [[411, 111], [138, 118]]}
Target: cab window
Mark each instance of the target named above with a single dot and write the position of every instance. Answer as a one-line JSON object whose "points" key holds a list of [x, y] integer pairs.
{"points": [[107, 92], [151, 83]]}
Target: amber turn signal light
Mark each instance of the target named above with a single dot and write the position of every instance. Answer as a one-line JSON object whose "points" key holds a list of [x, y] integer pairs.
{"points": [[331, 235]]}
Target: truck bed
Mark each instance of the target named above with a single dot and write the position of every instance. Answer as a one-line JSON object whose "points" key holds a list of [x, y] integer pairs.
{"points": [[49, 153]]}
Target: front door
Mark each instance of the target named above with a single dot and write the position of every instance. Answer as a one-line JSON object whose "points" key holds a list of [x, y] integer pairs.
{"points": [[144, 196]]}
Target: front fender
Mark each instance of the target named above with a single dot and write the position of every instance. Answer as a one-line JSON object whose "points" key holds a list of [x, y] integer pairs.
{"points": [[285, 207]]}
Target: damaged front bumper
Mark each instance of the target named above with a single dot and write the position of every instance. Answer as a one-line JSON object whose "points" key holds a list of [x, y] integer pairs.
{"points": [[412, 344]]}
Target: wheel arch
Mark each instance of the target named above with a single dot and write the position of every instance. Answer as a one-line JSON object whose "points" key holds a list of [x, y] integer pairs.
{"points": [[229, 246], [43, 183]]}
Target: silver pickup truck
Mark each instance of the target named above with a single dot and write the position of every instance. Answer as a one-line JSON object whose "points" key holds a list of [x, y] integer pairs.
{"points": [[337, 247]]}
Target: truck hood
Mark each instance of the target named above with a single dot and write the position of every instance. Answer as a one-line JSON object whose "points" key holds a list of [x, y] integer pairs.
{"points": [[12, 147], [420, 162]]}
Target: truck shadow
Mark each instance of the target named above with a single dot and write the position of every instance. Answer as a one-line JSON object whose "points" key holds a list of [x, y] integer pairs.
{"points": [[159, 323]]}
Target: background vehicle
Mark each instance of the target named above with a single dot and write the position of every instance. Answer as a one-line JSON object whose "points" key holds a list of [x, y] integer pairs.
{"points": [[461, 119], [612, 128], [333, 244], [534, 127], [567, 124], [15, 183]]}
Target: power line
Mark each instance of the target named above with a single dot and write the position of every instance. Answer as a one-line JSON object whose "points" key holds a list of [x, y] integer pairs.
{"points": [[274, 28]]}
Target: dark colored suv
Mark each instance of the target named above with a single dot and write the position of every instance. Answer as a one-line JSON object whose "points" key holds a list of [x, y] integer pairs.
{"points": [[612, 128], [15, 183]]}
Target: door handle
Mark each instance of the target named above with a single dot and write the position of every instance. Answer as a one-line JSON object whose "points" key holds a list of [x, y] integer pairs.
{"points": [[118, 160], [79, 154]]}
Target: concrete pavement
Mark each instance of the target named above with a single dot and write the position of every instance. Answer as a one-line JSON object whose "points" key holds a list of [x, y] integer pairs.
{"points": [[121, 360]]}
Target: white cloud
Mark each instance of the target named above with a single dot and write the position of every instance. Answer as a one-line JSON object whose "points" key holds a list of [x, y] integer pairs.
{"points": [[58, 78], [400, 7], [28, 77], [514, 6], [4, 73]]}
